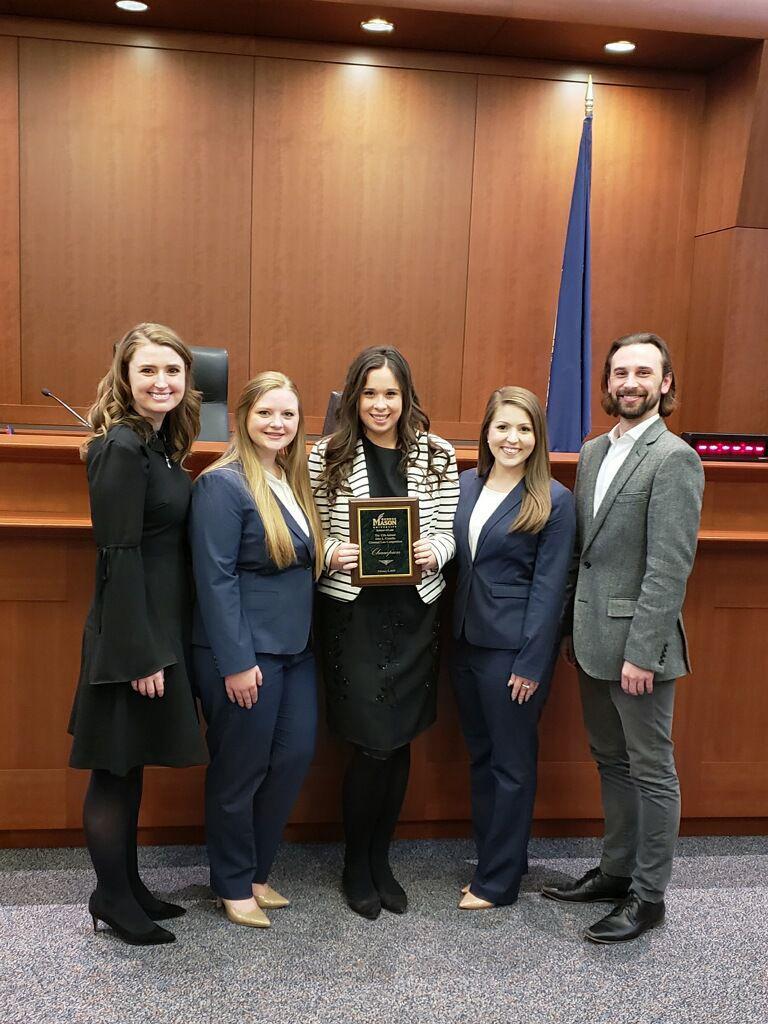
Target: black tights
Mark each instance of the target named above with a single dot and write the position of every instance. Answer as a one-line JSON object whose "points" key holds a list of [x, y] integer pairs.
{"points": [[110, 820], [374, 789]]}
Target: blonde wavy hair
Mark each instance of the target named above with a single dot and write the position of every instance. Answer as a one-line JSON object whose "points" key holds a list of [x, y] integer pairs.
{"points": [[114, 399], [292, 460], [536, 506]]}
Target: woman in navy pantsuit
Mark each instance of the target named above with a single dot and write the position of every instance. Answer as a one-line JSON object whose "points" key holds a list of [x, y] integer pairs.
{"points": [[256, 549], [514, 531]]}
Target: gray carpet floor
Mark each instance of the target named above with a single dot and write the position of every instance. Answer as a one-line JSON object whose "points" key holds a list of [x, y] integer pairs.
{"points": [[319, 962]]}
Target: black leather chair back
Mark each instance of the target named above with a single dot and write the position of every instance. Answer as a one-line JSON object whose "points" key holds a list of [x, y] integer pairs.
{"points": [[210, 370], [331, 420]]}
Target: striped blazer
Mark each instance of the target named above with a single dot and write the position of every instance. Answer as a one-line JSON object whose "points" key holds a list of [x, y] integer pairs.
{"points": [[437, 506]]}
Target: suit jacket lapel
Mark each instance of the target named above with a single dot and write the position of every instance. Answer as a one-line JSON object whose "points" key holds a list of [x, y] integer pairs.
{"points": [[508, 506], [636, 455], [296, 530], [587, 489], [463, 513]]}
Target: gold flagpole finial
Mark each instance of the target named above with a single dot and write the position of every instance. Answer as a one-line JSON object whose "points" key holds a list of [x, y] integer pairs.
{"points": [[589, 99]]}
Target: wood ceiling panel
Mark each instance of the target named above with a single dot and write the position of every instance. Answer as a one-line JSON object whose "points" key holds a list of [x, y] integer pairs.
{"points": [[681, 50], [453, 27]]}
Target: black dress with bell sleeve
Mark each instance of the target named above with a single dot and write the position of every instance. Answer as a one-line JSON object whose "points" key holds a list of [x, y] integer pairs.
{"points": [[140, 618]]}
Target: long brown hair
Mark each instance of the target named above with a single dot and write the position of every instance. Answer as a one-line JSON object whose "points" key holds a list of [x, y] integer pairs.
{"points": [[340, 450], [114, 399], [668, 402], [536, 506], [292, 460]]}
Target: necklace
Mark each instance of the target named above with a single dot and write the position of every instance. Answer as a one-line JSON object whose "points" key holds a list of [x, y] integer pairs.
{"points": [[160, 440]]}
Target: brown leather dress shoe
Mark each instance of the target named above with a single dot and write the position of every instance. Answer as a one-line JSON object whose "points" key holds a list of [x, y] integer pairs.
{"points": [[627, 921], [593, 887]]}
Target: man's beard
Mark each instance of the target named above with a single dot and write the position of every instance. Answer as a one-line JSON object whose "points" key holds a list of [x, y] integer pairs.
{"points": [[634, 412]]}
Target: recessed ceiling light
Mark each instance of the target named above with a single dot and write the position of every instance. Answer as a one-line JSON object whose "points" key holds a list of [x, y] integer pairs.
{"points": [[620, 46], [377, 25], [131, 5]]}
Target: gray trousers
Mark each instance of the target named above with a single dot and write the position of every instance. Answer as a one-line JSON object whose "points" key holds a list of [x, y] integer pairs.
{"points": [[631, 741]]}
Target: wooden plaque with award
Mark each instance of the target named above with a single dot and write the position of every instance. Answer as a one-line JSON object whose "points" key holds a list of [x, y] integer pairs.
{"points": [[384, 529]]}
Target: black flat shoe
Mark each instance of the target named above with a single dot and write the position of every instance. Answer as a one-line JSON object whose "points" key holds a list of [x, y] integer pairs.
{"points": [[366, 904], [593, 887], [627, 921], [154, 937]]}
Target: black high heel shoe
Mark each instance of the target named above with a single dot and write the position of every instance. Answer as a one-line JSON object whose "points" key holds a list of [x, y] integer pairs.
{"points": [[154, 937], [160, 910]]}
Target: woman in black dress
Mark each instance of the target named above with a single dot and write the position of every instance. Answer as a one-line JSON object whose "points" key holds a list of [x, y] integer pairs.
{"points": [[134, 703], [379, 645]]}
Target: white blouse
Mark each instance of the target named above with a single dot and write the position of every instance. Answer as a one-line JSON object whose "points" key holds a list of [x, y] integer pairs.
{"points": [[484, 508], [282, 491]]}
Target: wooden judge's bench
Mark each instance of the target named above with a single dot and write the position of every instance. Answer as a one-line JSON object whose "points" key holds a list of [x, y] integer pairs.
{"points": [[46, 580]]}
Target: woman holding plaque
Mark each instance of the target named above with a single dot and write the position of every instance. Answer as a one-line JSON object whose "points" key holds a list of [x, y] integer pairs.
{"points": [[256, 549], [514, 530], [379, 643]]}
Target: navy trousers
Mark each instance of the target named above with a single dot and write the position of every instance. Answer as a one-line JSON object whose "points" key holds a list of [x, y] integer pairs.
{"points": [[503, 743], [259, 758]]}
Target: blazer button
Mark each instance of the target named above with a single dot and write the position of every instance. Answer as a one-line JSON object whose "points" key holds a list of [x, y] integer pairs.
{"points": [[587, 565]]}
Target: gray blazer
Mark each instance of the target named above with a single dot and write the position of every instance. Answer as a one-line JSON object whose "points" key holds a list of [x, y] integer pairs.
{"points": [[632, 560]]}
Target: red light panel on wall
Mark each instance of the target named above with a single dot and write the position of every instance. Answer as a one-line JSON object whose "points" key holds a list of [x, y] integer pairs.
{"points": [[730, 447]]}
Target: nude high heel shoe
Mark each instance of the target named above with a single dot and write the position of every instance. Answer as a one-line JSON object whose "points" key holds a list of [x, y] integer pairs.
{"points": [[255, 918], [271, 899], [470, 902]]}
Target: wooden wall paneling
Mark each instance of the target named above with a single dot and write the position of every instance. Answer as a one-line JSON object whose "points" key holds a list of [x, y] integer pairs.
{"points": [[644, 156], [44, 605], [726, 389], [743, 386], [362, 181], [526, 148], [722, 713], [707, 326], [646, 171], [728, 118], [135, 195], [59, 491], [741, 505], [10, 338], [567, 775], [753, 208]]}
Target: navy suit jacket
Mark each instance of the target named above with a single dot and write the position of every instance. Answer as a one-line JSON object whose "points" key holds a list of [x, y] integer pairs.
{"points": [[245, 604], [511, 596]]}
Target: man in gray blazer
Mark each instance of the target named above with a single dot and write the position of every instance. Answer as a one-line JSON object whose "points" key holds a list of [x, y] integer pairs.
{"points": [[638, 504]]}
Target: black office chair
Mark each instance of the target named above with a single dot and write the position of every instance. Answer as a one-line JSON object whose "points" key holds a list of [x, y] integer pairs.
{"points": [[210, 369], [331, 420]]}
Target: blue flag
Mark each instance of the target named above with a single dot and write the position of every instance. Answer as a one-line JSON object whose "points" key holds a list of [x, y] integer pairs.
{"points": [[568, 393]]}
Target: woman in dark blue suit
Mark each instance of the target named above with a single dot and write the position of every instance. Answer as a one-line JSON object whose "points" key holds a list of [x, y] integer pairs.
{"points": [[514, 530], [256, 549]]}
